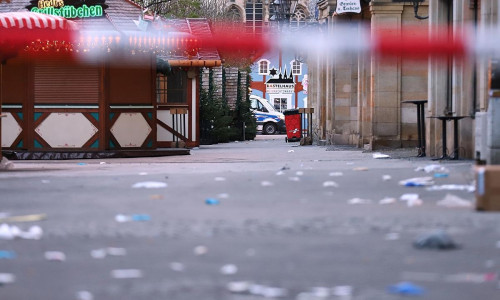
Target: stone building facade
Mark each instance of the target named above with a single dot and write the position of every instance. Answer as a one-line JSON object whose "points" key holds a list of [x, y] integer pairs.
{"points": [[358, 98]]}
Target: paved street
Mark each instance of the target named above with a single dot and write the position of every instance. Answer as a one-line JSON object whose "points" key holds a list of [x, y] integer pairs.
{"points": [[243, 221]]}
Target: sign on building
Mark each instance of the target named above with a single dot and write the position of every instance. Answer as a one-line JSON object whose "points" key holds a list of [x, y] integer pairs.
{"points": [[349, 6]]}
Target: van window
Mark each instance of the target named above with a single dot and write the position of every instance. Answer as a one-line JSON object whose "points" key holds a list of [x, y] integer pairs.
{"points": [[257, 105]]}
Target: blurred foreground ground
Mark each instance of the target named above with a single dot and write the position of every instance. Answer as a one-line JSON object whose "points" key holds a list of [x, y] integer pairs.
{"points": [[285, 226]]}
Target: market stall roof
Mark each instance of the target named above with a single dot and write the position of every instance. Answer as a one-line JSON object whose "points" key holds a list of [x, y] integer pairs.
{"points": [[205, 56], [124, 17]]}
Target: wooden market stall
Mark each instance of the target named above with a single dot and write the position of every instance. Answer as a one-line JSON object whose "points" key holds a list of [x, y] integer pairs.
{"points": [[108, 96]]}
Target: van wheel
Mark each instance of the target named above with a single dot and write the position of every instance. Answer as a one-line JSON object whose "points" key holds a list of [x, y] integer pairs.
{"points": [[269, 128]]}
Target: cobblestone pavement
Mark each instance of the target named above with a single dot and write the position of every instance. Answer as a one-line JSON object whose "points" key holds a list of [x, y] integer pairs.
{"points": [[286, 222]]}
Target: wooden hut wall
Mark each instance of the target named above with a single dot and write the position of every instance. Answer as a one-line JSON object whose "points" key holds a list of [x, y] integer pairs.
{"points": [[131, 114]]}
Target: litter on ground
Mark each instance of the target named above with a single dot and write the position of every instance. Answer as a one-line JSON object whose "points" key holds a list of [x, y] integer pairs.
{"points": [[84, 295], [200, 250], [454, 201], [406, 288], [359, 201], [55, 256], [417, 181], [177, 266], [212, 201], [7, 278], [127, 273], [432, 168], [336, 174], [229, 269], [379, 155], [387, 200], [330, 184], [411, 199], [24, 218], [452, 187], [4, 254], [149, 185], [438, 239]]}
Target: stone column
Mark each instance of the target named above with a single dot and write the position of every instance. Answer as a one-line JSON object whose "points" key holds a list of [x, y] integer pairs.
{"points": [[385, 76]]}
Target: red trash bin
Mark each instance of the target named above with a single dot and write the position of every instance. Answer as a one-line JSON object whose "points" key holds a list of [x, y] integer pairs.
{"points": [[293, 124]]}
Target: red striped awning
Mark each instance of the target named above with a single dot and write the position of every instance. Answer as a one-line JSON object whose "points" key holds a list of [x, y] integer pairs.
{"points": [[31, 20], [19, 30]]}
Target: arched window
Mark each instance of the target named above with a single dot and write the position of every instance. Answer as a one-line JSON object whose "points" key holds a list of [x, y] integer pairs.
{"points": [[298, 19], [296, 67], [263, 67], [233, 14]]}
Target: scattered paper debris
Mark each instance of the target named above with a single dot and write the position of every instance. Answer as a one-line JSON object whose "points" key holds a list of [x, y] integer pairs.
{"points": [[55, 256], [330, 184], [294, 179], [126, 273], [440, 175], [320, 292], [291, 151], [336, 174], [239, 286], [7, 278], [471, 277], [454, 201], [452, 187], [266, 183], [360, 169], [267, 292], [149, 185], [84, 295], [379, 155], [386, 177], [392, 236], [212, 201], [435, 240], [143, 173], [223, 196], [120, 218], [342, 291], [411, 199], [229, 269], [417, 181], [24, 218], [220, 179], [299, 173], [387, 200], [45, 181], [98, 253], [102, 163], [177, 266], [8, 232], [112, 251], [5, 254], [406, 288], [432, 168], [279, 173], [359, 201], [200, 250]]}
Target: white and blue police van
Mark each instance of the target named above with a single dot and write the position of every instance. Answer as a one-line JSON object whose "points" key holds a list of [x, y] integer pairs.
{"points": [[269, 121]]}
